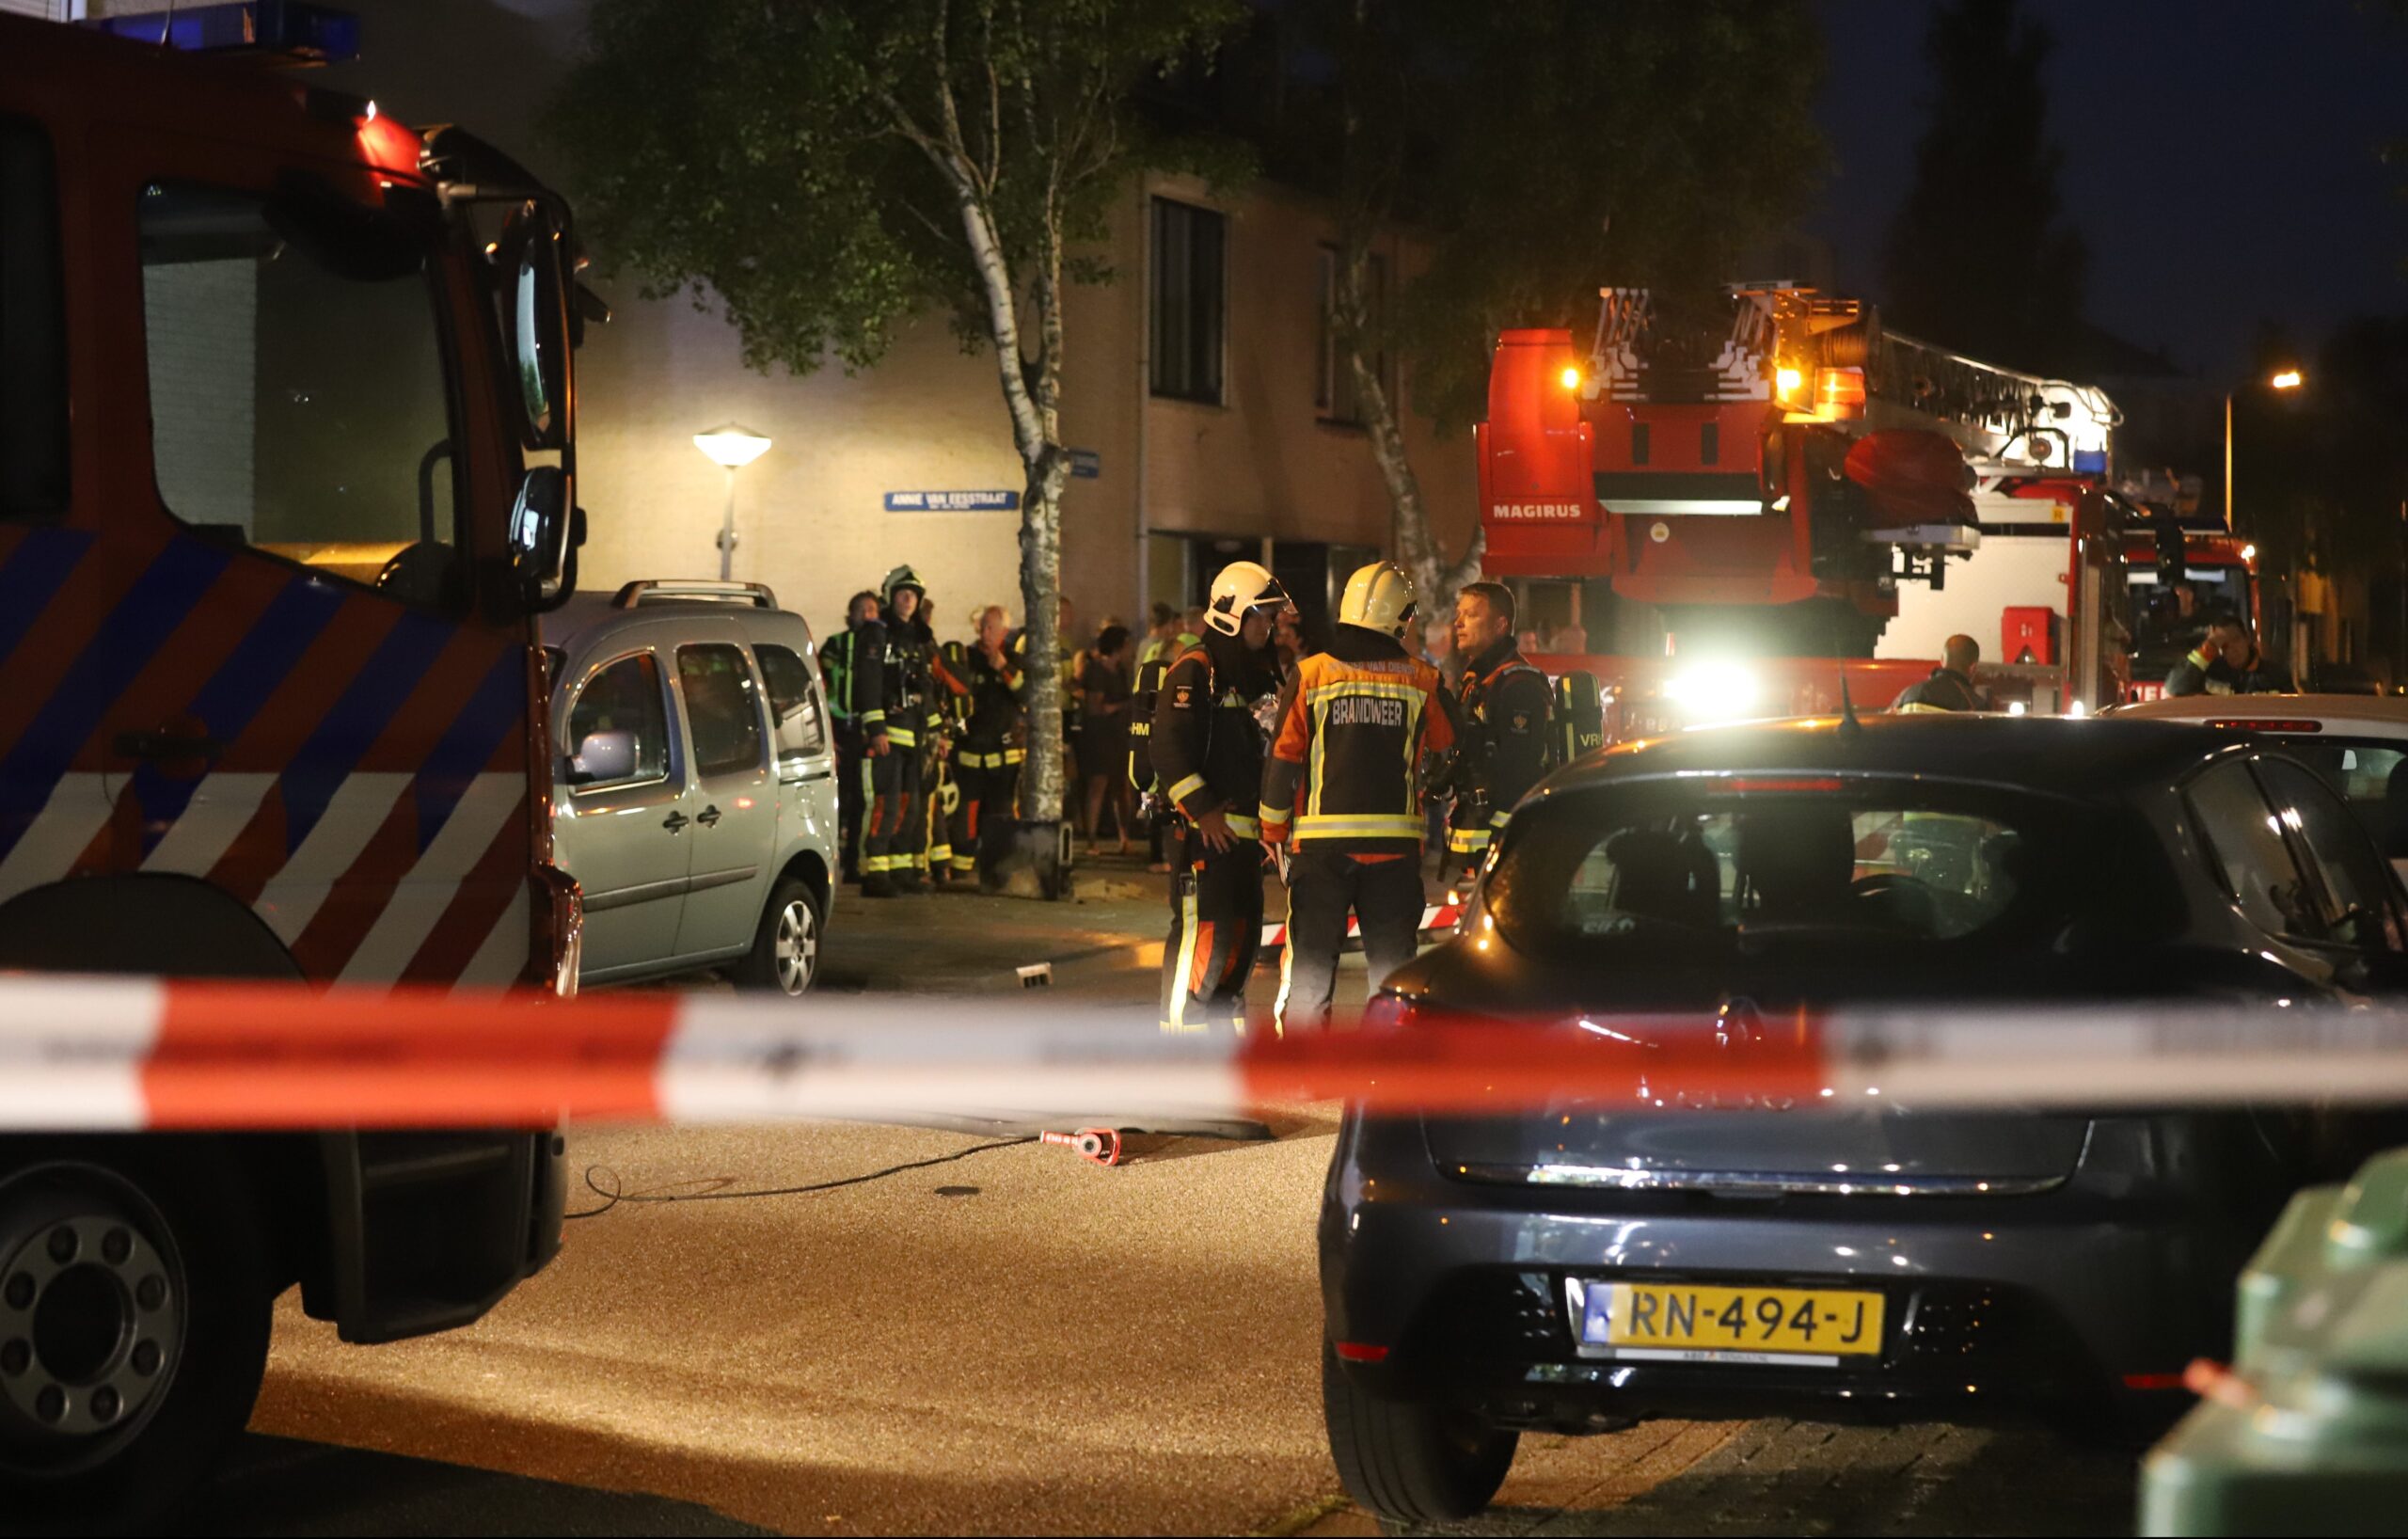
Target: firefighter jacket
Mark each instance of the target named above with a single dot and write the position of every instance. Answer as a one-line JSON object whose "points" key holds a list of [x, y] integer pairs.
{"points": [[1501, 711], [1355, 725], [1208, 732], [851, 667], [908, 694], [989, 740], [1946, 689]]}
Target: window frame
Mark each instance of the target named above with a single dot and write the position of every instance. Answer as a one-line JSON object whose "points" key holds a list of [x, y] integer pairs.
{"points": [[2312, 862], [1156, 386], [762, 738], [671, 763], [450, 369]]}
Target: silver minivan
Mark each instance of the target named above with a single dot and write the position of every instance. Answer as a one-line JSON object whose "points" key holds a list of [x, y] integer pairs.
{"points": [[695, 798]]}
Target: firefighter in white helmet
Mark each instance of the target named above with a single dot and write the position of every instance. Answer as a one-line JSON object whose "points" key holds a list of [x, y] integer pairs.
{"points": [[1368, 719], [1207, 747]]}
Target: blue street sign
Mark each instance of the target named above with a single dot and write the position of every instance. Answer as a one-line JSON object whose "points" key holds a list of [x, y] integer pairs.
{"points": [[1085, 463], [953, 501]]}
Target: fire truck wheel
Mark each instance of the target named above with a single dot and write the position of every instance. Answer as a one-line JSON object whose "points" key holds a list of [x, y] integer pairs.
{"points": [[134, 1327], [786, 949], [1411, 1461]]}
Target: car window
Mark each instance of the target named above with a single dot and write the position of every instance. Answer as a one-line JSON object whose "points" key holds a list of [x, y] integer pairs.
{"points": [[720, 707], [2245, 840], [624, 697], [297, 395], [1669, 870], [2354, 875], [2371, 773], [794, 705]]}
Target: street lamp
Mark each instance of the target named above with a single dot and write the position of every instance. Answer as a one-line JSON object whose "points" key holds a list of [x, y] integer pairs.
{"points": [[731, 446], [2282, 379]]}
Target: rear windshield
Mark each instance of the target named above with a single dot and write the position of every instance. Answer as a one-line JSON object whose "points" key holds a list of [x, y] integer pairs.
{"points": [[1659, 872]]}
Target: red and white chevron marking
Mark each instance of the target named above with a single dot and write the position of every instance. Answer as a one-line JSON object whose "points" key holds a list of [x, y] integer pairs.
{"points": [[1438, 920], [112, 1053]]}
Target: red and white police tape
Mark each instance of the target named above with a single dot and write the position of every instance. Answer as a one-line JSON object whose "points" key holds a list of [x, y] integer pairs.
{"points": [[120, 1053], [1438, 921]]}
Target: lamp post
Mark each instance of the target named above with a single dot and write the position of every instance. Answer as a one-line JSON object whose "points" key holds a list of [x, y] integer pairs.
{"points": [[2282, 379], [732, 448]]}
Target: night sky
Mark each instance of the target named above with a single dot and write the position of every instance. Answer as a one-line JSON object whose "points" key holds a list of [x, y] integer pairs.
{"points": [[2219, 159]]}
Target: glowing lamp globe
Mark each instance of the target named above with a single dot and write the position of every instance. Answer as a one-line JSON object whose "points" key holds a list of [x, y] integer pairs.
{"points": [[732, 446]]}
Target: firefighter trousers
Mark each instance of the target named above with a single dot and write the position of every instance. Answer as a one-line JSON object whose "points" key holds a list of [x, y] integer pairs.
{"points": [[1385, 896], [852, 789], [990, 783], [1215, 930], [895, 828]]}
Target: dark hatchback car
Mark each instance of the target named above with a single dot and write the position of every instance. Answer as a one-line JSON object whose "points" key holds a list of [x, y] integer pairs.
{"points": [[1582, 1264]]}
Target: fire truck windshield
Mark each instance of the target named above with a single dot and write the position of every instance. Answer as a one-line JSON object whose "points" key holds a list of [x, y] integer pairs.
{"points": [[2173, 617], [298, 383]]}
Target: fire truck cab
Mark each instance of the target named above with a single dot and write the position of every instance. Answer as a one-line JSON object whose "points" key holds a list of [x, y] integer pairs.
{"points": [[1765, 506], [286, 471]]}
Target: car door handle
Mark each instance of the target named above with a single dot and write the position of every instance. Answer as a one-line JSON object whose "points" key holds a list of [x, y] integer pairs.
{"points": [[707, 816], [675, 821]]}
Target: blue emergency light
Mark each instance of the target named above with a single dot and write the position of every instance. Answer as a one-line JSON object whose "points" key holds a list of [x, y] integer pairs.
{"points": [[287, 29]]}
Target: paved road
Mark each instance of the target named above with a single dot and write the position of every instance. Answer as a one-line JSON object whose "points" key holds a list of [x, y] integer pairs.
{"points": [[1012, 1341]]}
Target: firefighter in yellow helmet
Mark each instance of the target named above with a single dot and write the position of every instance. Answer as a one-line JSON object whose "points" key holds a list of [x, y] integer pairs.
{"points": [[1359, 726], [1205, 749]]}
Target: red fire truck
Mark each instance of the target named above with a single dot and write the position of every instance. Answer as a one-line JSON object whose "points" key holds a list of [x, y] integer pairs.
{"points": [[1752, 501], [285, 469], [2178, 588]]}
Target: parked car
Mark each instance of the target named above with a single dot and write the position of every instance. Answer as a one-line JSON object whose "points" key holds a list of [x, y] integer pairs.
{"points": [[695, 800], [1582, 1264], [2358, 743]]}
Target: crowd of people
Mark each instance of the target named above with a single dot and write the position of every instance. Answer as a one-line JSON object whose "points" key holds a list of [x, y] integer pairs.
{"points": [[1254, 752]]}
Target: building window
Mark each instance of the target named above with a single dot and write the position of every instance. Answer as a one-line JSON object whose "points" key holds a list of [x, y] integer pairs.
{"points": [[1190, 249], [1335, 395]]}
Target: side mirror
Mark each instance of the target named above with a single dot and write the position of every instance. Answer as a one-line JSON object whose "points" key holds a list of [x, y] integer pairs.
{"points": [[545, 529], [2173, 557], [538, 326], [603, 755]]}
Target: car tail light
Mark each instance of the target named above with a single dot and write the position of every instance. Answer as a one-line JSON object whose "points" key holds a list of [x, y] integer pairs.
{"points": [[560, 925], [1760, 785], [1364, 1351], [2246, 723]]}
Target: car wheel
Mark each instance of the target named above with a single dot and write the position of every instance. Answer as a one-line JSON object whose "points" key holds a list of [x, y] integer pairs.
{"points": [[133, 1330], [1411, 1461], [786, 949]]}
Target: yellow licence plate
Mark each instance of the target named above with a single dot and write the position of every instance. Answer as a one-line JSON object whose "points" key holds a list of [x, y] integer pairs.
{"points": [[1696, 1322]]}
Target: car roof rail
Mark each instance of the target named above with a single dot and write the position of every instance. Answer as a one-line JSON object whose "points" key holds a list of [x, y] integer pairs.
{"points": [[691, 591]]}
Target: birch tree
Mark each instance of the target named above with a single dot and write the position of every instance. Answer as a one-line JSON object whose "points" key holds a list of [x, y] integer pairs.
{"points": [[826, 169]]}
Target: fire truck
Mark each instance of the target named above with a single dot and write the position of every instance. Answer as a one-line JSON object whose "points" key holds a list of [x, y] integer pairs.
{"points": [[287, 469], [2186, 568], [1761, 500]]}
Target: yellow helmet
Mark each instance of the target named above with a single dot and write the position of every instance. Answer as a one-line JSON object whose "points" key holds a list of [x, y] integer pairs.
{"points": [[1242, 586], [1378, 598]]}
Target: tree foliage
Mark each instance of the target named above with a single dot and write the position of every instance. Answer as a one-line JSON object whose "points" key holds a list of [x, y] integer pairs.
{"points": [[826, 169], [1978, 259], [1539, 151]]}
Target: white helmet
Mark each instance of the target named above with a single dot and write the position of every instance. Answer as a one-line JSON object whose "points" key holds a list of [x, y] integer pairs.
{"points": [[1378, 598], [1242, 586]]}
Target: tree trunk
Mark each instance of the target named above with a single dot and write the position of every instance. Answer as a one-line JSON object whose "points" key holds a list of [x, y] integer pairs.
{"points": [[1418, 550]]}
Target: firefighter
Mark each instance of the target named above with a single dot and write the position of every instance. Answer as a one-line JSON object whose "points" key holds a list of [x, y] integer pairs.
{"points": [[990, 747], [848, 668], [1950, 688], [948, 666], [1371, 721], [1207, 750], [896, 833], [1502, 709]]}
